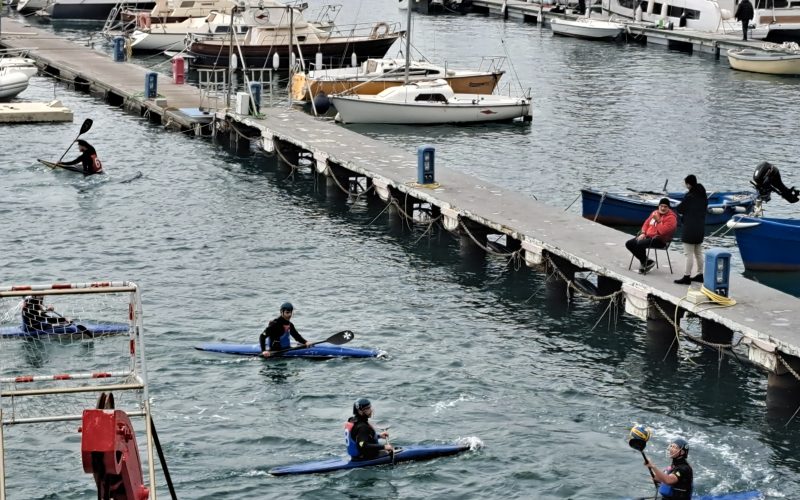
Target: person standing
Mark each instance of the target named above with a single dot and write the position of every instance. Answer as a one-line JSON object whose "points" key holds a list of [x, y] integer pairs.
{"points": [[657, 232], [88, 159], [677, 480], [361, 438], [693, 208], [278, 332], [744, 13]]}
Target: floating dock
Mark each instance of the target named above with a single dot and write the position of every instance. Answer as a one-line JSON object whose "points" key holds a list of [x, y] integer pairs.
{"points": [[34, 112], [764, 320]]}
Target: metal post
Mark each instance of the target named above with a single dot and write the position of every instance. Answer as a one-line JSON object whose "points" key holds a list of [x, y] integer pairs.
{"points": [[291, 49], [408, 41], [2, 460], [230, 58]]}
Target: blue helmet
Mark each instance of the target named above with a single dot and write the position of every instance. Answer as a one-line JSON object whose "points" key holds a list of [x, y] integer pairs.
{"points": [[360, 404], [682, 445], [287, 306]]}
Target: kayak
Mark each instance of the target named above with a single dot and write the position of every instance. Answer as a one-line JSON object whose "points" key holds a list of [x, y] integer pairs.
{"points": [[93, 329], [407, 454], [740, 495], [321, 351], [71, 168]]}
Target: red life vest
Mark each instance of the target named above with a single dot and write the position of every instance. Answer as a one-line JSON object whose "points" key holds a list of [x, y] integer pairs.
{"points": [[97, 167]]}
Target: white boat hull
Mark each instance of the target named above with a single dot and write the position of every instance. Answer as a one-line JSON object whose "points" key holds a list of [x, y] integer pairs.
{"points": [[364, 109], [157, 41], [12, 83], [589, 29], [772, 63], [20, 64]]}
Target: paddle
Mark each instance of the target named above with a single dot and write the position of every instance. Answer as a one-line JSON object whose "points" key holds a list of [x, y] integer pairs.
{"points": [[338, 338], [87, 124], [81, 329], [637, 440]]}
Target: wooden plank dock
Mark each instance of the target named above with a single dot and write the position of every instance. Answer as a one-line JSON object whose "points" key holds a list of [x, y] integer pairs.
{"points": [[564, 243]]}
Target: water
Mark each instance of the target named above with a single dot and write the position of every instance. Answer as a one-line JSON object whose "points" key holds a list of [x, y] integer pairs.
{"points": [[477, 347]]}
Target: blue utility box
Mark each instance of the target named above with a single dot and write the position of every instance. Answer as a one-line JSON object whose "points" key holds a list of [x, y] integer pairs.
{"points": [[119, 49], [255, 92], [151, 85], [717, 271], [425, 164]]}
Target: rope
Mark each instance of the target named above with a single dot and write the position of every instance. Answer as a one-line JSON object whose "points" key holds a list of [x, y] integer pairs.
{"points": [[571, 284], [718, 299], [599, 206]]}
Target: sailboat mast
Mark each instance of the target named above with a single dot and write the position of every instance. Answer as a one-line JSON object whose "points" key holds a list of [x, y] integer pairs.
{"points": [[408, 41]]}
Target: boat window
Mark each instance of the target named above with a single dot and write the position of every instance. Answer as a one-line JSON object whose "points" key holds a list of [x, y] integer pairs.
{"points": [[431, 98], [656, 8], [301, 39], [372, 65], [221, 29], [187, 5], [630, 4], [675, 11]]}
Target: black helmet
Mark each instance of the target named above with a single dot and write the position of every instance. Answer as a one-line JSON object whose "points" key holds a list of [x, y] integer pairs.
{"points": [[360, 405], [682, 445], [287, 306]]}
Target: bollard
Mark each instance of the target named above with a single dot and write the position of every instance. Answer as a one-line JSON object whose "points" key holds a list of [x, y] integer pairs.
{"points": [[151, 85], [119, 49], [178, 70]]}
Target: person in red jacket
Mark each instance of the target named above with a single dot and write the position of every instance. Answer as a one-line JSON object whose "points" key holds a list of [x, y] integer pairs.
{"points": [[656, 232]]}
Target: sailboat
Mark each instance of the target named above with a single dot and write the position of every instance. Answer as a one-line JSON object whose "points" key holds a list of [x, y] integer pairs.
{"points": [[428, 103]]}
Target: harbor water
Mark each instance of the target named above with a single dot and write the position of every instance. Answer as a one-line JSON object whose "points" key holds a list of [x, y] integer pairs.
{"points": [[478, 348]]}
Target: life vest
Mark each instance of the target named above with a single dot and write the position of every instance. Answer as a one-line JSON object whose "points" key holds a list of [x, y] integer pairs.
{"points": [[97, 167], [285, 342], [668, 491], [352, 446]]}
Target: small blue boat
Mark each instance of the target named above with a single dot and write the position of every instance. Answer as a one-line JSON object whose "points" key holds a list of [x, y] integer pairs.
{"points": [[319, 351], [633, 208], [407, 454], [768, 244], [82, 328]]}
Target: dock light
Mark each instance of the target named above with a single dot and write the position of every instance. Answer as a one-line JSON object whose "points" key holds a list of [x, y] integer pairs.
{"points": [[425, 164], [717, 270]]}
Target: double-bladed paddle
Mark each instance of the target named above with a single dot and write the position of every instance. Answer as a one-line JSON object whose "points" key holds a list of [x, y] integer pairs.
{"points": [[87, 124], [338, 338]]}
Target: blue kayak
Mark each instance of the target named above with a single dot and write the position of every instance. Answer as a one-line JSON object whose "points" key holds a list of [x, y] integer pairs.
{"points": [[741, 495], [320, 351], [407, 454], [82, 328]]}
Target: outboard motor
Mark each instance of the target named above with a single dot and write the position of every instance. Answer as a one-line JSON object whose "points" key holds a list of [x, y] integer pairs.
{"points": [[767, 179]]}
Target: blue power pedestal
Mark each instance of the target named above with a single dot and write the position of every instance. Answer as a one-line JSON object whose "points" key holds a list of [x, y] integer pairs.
{"points": [[119, 49], [151, 85], [425, 164], [255, 91], [717, 271]]}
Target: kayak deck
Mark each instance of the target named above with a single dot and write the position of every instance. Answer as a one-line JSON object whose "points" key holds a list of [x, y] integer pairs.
{"points": [[407, 454], [319, 351]]}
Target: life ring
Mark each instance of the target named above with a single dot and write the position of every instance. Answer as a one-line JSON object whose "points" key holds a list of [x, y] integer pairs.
{"points": [[380, 30], [143, 20]]}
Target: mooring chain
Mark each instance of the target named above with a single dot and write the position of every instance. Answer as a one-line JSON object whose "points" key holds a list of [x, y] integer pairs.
{"points": [[571, 284], [787, 366]]}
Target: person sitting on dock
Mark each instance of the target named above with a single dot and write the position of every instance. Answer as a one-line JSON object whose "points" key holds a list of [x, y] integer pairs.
{"points": [[657, 232], [35, 316], [88, 158], [361, 437], [278, 331], [676, 481], [744, 13], [693, 209]]}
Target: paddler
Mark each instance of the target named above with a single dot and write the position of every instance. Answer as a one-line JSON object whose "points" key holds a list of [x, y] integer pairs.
{"points": [[278, 331], [88, 158], [361, 437], [676, 481], [35, 316]]}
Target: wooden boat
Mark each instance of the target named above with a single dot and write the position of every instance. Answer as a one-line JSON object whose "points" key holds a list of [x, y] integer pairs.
{"points": [[590, 29], [632, 208], [282, 30], [375, 75], [767, 244], [428, 103], [772, 62]]}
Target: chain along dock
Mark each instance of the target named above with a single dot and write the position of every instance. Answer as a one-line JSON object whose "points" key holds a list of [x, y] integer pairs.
{"points": [[484, 217]]}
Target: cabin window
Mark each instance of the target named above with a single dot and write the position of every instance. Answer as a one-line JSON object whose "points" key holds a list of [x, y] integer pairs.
{"points": [[656, 8], [187, 5], [301, 39], [629, 4], [221, 29], [431, 98], [675, 11]]}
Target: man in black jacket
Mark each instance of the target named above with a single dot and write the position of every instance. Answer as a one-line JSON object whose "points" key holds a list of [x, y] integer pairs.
{"points": [[88, 159], [278, 331], [744, 13], [693, 209]]}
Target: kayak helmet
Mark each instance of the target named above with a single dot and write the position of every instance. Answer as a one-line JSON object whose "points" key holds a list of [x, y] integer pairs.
{"points": [[682, 445], [34, 299], [361, 404], [287, 306]]}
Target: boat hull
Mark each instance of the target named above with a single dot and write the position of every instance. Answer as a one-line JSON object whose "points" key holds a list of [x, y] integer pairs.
{"points": [[407, 454], [632, 209], [157, 41], [588, 30], [12, 83], [771, 63], [319, 351], [87, 10], [767, 244], [365, 110]]}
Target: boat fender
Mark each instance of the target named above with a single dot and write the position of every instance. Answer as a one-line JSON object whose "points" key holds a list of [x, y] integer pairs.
{"points": [[380, 30], [740, 209], [716, 210]]}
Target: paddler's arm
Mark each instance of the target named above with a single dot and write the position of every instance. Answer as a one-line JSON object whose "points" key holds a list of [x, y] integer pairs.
{"points": [[661, 476], [296, 335], [262, 342]]}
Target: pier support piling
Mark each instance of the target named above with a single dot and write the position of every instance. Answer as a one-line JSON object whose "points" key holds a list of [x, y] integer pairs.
{"points": [[783, 386], [715, 333]]}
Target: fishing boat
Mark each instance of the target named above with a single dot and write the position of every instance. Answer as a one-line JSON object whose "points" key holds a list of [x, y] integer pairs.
{"points": [[375, 75], [772, 60], [587, 28], [405, 454], [12, 83], [319, 351], [767, 244], [429, 103], [632, 208], [277, 30]]}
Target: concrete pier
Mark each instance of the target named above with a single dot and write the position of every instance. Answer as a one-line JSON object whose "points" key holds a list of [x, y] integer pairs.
{"points": [[34, 112]]}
